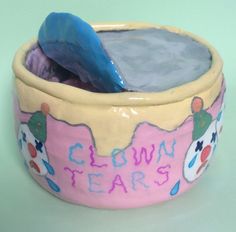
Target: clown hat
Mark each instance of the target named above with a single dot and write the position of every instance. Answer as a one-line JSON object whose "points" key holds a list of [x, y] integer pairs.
{"points": [[201, 118], [37, 123]]}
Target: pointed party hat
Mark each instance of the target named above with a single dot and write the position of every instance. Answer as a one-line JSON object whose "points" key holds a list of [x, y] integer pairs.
{"points": [[201, 118], [37, 123]]}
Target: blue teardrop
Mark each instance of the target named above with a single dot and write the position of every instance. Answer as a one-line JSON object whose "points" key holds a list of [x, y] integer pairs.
{"points": [[49, 167], [192, 162], [219, 116], [175, 189], [52, 185]]}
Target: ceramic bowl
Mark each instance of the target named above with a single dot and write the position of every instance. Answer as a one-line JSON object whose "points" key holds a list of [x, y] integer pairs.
{"points": [[118, 150]]}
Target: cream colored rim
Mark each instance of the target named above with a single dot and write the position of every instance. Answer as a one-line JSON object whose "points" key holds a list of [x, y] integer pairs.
{"points": [[79, 96]]}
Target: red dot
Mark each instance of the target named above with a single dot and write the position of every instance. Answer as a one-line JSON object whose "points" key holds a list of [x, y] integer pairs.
{"points": [[205, 153], [45, 108], [197, 104], [34, 165], [32, 150]]}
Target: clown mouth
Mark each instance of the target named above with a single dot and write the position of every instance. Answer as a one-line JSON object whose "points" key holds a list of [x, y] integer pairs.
{"points": [[34, 166], [203, 165]]}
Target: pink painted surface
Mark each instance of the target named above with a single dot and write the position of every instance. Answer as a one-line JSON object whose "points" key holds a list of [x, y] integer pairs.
{"points": [[144, 173]]}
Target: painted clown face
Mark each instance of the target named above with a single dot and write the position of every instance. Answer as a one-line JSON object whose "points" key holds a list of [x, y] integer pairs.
{"points": [[33, 151], [200, 153]]}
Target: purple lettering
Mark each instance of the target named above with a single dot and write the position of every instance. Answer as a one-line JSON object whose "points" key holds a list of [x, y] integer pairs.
{"points": [[92, 159], [164, 172], [117, 182], [143, 153], [72, 172]]}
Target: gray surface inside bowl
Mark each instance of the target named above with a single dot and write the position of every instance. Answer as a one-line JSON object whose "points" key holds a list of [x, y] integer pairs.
{"points": [[155, 59]]}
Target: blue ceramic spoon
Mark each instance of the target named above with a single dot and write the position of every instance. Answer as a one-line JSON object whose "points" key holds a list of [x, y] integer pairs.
{"points": [[73, 44]]}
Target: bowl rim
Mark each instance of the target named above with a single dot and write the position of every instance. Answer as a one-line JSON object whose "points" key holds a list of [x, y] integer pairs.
{"points": [[76, 95]]}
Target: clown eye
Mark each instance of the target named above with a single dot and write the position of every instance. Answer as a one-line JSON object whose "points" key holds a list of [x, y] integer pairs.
{"points": [[199, 146], [213, 137], [38, 146], [23, 136]]}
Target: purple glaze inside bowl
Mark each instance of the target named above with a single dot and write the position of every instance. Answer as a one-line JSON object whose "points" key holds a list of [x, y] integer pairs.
{"points": [[45, 68]]}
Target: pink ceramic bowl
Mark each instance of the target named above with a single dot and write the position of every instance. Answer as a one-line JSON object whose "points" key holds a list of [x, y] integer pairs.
{"points": [[119, 150]]}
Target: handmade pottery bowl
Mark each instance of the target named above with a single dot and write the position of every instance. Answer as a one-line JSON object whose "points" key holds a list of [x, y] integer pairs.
{"points": [[118, 150]]}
